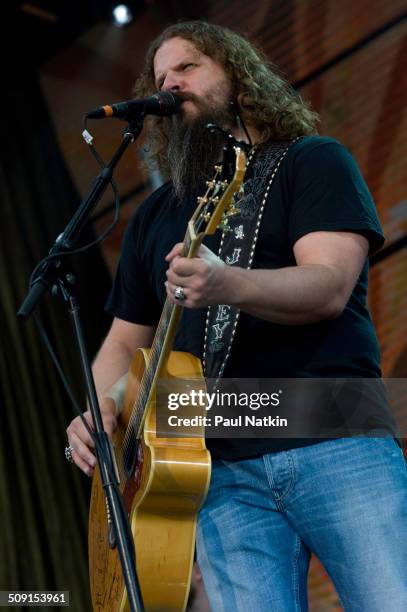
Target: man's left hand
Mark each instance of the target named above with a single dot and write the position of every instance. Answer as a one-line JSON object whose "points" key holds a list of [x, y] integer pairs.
{"points": [[202, 278]]}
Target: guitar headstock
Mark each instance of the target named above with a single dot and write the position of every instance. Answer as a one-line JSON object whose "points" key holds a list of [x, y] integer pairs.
{"points": [[217, 203]]}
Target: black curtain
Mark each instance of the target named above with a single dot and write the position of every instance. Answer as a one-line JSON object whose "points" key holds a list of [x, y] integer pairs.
{"points": [[43, 498]]}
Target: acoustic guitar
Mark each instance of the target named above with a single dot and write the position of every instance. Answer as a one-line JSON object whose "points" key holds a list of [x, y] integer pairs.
{"points": [[163, 480]]}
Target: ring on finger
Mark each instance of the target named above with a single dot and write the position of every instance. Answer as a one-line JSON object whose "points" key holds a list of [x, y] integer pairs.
{"points": [[179, 294], [68, 453]]}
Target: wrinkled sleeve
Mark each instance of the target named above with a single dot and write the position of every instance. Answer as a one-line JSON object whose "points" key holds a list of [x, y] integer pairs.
{"points": [[329, 193], [132, 297]]}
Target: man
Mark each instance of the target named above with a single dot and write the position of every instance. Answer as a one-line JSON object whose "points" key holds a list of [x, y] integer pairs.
{"points": [[302, 304]]}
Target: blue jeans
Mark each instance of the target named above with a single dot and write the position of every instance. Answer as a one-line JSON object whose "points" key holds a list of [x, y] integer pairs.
{"points": [[345, 500]]}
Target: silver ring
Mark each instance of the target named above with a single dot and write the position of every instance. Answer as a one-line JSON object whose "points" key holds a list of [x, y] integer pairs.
{"points": [[68, 453], [179, 294]]}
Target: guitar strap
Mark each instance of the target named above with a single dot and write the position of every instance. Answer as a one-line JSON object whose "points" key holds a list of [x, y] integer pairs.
{"points": [[237, 248]]}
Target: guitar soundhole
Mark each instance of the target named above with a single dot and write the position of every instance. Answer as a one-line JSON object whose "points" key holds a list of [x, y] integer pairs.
{"points": [[133, 480], [139, 465], [133, 463]]}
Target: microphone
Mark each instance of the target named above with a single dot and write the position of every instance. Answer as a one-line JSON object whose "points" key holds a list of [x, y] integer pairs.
{"points": [[161, 104]]}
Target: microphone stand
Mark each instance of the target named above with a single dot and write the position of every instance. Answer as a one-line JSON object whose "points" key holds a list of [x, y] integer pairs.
{"points": [[51, 274]]}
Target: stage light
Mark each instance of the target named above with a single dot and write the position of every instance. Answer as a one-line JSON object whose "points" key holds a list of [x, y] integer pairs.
{"points": [[122, 15]]}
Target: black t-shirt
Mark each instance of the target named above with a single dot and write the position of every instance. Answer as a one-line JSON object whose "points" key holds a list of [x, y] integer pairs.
{"points": [[317, 188]]}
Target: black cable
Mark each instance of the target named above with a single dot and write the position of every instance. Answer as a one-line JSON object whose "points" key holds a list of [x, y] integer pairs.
{"points": [[104, 234], [43, 334], [242, 124]]}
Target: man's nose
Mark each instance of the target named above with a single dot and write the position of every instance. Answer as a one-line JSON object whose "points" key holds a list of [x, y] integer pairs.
{"points": [[172, 82]]}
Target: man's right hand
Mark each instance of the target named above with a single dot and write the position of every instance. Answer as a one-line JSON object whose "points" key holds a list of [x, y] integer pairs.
{"points": [[81, 442]]}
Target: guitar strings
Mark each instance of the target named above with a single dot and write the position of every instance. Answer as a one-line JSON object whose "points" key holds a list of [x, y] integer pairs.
{"points": [[139, 405]]}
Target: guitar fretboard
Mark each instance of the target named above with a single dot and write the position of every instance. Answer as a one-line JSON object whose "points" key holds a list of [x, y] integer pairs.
{"points": [[158, 355]]}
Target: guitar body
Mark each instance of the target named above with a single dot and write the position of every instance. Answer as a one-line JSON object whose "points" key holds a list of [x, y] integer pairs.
{"points": [[162, 498]]}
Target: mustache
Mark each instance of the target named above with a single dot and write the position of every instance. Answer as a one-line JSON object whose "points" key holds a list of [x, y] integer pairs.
{"points": [[199, 102], [185, 95]]}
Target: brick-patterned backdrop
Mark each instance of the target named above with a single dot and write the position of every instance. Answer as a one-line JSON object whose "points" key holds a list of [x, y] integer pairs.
{"points": [[347, 58]]}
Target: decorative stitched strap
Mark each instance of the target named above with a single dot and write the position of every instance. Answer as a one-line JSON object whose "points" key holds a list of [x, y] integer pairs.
{"points": [[237, 248]]}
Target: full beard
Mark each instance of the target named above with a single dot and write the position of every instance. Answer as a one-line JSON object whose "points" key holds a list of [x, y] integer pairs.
{"points": [[193, 150]]}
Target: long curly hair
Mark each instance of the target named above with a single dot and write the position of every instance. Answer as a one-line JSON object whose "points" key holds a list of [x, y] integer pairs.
{"points": [[264, 99]]}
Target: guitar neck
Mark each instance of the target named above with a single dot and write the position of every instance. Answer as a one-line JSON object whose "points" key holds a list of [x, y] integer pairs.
{"points": [[164, 336]]}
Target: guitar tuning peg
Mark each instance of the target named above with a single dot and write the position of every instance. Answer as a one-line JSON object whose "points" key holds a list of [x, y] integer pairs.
{"points": [[225, 227], [239, 195], [232, 211], [224, 224], [211, 184]]}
